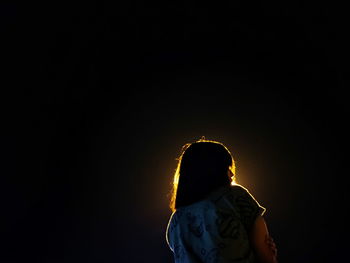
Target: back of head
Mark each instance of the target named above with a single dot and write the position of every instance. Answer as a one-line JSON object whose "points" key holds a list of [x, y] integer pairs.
{"points": [[203, 167]]}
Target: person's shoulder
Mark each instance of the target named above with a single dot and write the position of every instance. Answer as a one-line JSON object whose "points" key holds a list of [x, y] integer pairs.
{"points": [[244, 198], [238, 189], [230, 192], [225, 190]]}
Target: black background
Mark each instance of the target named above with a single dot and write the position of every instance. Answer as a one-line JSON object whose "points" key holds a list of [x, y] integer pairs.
{"points": [[98, 98]]}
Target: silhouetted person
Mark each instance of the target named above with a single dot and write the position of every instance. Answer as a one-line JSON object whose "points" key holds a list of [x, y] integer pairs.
{"points": [[215, 220]]}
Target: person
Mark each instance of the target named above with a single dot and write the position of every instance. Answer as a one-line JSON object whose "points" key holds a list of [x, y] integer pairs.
{"points": [[214, 219]]}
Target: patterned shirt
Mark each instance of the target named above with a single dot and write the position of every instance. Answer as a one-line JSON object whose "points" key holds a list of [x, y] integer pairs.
{"points": [[215, 230]]}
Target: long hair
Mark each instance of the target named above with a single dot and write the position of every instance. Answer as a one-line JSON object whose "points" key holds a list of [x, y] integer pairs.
{"points": [[202, 167]]}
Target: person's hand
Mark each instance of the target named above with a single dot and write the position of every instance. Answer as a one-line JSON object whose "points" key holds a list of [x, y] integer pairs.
{"points": [[271, 244]]}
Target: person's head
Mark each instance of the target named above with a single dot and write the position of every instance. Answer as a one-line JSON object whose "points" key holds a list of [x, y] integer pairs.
{"points": [[202, 167]]}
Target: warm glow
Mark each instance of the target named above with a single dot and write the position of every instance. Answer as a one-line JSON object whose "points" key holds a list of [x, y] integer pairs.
{"points": [[232, 172], [233, 181]]}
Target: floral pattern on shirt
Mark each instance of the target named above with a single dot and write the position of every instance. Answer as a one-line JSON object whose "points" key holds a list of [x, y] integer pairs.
{"points": [[215, 230]]}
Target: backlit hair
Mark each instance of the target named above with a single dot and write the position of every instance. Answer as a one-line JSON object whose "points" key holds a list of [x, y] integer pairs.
{"points": [[202, 167]]}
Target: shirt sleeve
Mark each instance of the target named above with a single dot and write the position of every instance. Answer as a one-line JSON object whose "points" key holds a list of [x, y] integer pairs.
{"points": [[248, 207]]}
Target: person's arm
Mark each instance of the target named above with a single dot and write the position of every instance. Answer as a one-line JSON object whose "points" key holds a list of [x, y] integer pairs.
{"points": [[262, 242]]}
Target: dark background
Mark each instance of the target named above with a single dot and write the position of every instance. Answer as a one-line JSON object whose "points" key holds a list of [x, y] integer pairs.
{"points": [[98, 98]]}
